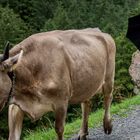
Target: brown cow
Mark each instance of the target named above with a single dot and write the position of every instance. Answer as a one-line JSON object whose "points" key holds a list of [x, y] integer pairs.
{"points": [[54, 69]]}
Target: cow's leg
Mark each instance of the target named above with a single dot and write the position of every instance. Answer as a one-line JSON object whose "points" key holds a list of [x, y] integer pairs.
{"points": [[60, 116], [15, 118], [107, 90], [84, 127]]}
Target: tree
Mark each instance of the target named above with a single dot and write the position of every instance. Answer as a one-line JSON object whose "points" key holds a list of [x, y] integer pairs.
{"points": [[33, 12], [12, 28]]}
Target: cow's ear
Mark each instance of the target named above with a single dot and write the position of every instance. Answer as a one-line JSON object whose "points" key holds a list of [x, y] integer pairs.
{"points": [[11, 63]]}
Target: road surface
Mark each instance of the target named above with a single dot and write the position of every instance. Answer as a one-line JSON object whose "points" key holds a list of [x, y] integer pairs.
{"points": [[124, 128]]}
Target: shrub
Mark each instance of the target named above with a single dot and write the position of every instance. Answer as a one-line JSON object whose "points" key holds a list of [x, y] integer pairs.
{"points": [[123, 83], [12, 28]]}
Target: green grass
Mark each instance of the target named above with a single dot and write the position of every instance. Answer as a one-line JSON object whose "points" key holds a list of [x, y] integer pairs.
{"points": [[95, 119]]}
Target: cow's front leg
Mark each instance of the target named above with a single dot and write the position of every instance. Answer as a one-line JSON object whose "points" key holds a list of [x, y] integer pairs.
{"points": [[84, 127], [15, 118], [60, 116]]}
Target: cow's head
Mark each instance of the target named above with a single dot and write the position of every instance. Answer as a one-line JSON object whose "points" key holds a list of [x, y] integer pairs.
{"points": [[6, 65]]}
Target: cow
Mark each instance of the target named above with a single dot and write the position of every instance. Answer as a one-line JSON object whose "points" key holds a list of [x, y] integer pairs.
{"points": [[50, 70]]}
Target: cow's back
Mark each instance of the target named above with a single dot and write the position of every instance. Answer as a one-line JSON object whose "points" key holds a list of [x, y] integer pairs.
{"points": [[82, 55]]}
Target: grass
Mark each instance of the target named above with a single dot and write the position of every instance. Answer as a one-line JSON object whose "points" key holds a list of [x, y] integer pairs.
{"points": [[95, 120]]}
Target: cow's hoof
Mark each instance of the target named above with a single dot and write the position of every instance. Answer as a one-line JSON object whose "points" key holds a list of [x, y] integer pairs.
{"points": [[82, 137], [108, 126]]}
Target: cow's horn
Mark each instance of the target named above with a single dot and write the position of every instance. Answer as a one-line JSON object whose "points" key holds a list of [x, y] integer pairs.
{"points": [[6, 52]]}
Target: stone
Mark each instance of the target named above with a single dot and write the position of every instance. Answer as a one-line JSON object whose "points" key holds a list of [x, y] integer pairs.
{"points": [[134, 69]]}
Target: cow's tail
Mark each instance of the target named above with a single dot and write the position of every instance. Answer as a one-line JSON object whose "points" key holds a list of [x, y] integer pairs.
{"points": [[110, 65]]}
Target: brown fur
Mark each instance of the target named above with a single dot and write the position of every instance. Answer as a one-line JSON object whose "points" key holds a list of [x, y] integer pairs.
{"points": [[61, 67]]}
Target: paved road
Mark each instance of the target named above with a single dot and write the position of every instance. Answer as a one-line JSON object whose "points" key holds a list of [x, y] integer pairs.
{"points": [[124, 128]]}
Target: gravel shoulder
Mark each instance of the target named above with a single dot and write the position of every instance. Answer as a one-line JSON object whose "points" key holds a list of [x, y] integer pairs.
{"points": [[125, 127]]}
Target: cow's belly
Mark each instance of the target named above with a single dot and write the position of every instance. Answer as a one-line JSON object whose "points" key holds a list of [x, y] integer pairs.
{"points": [[88, 68], [86, 82], [83, 93]]}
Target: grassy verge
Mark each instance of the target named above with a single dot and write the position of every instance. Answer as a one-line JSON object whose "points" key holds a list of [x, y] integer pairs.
{"points": [[94, 120]]}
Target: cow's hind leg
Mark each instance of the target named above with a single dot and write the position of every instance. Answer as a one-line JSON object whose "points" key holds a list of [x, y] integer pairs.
{"points": [[60, 116], [108, 84], [107, 90], [15, 118], [84, 127]]}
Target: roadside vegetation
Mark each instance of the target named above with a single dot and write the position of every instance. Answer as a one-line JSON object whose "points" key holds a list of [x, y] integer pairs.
{"points": [[95, 119], [19, 19]]}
